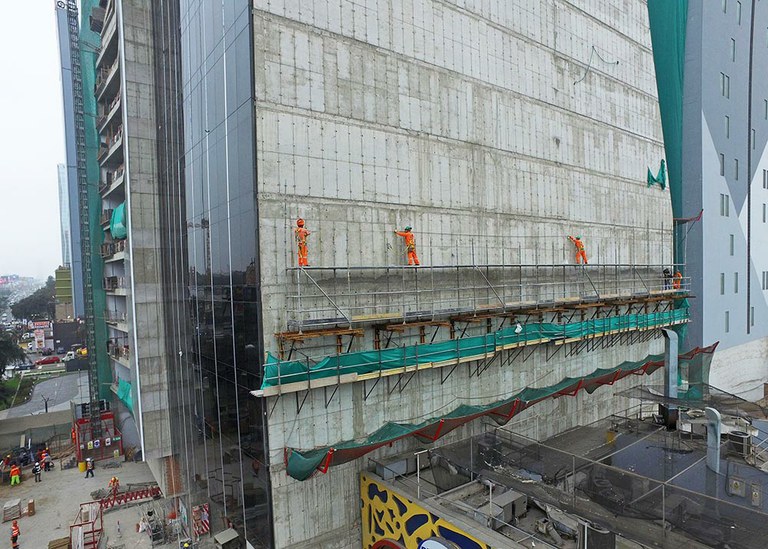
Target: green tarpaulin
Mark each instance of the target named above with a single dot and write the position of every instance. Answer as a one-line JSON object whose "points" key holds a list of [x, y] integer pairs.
{"points": [[659, 179], [124, 394], [117, 226], [301, 465], [278, 372]]}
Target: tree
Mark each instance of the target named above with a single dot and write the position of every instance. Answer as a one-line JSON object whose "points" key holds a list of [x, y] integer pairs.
{"points": [[9, 351], [41, 304]]}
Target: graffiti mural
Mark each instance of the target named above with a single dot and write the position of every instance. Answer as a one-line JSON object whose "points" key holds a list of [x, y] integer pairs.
{"points": [[392, 521]]}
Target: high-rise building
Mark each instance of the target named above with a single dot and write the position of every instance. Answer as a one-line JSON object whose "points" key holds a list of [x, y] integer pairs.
{"points": [[715, 94], [258, 386], [66, 239], [129, 218], [70, 207]]}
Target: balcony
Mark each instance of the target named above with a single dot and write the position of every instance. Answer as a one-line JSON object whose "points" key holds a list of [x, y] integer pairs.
{"points": [[114, 180], [119, 352], [111, 150], [106, 216], [110, 249], [110, 114], [113, 283], [107, 82], [114, 317], [108, 49]]}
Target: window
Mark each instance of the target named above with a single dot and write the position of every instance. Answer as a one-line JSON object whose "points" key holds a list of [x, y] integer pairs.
{"points": [[753, 138], [725, 6], [727, 321], [722, 164], [722, 283], [738, 12], [733, 49], [736, 282], [765, 109], [724, 205], [764, 213], [765, 280], [731, 246], [728, 127], [736, 168], [725, 85], [765, 179], [751, 316]]}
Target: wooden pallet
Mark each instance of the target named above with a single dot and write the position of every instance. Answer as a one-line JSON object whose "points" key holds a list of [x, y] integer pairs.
{"points": [[11, 510]]}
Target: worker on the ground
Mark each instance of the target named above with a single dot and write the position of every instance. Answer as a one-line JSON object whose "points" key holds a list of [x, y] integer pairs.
{"points": [[114, 483], [15, 474], [301, 241], [44, 457], [410, 244], [15, 533], [37, 471], [7, 461], [580, 252], [88, 467], [677, 280], [47, 460]]}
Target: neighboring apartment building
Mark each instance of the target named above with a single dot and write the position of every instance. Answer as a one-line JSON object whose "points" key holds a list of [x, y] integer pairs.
{"points": [[725, 174], [494, 131], [130, 251]]}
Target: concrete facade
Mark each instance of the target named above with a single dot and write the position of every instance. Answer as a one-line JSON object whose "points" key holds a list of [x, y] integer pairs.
{"points": [[132, 274], [495, 130], [725, 162]]}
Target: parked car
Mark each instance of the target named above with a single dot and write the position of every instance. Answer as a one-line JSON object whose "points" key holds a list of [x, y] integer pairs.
{"points": [[47, 351], [69, 356], [60, 351], [48, 360]]}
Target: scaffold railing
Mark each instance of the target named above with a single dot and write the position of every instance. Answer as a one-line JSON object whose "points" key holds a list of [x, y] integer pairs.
{"points": [[322, 297]]}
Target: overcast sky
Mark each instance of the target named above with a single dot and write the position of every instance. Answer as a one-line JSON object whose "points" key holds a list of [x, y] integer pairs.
{"points": [[31, 139]]}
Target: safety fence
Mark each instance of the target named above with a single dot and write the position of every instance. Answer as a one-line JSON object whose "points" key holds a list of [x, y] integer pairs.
{"points": [[329, 296]]}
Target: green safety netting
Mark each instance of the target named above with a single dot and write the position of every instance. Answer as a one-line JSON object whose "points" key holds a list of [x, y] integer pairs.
{"points": [[659, 179], [124, 394], [117, 224], [301, 465], [668, 22], [278, 372]]}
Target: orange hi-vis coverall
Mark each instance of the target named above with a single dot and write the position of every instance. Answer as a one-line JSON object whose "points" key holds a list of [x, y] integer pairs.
{"points": [[580, 252], [301, 240], [677, 280], [410, 246]]}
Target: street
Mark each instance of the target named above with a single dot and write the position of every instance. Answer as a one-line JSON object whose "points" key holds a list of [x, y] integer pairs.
{"points": [[59, 390]]}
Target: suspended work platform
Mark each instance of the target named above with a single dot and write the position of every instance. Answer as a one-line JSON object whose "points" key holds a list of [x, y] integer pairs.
{"points": [[409, 319]]}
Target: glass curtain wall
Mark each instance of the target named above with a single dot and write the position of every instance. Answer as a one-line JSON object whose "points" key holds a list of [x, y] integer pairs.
{"points": [[213, 276]]}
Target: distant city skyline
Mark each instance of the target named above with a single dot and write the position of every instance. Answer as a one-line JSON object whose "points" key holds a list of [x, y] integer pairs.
{"points": [[31, 140]]}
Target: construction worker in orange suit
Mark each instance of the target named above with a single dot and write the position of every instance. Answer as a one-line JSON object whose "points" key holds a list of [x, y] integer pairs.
{"points": [[410, 244], [15, 533], [15, 474], [301, 240], [580, 252], [677, 280]]}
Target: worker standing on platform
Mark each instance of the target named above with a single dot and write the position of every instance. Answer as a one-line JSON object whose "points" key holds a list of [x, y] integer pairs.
{"points": [[677, 280], [410, 244], [15, 533], [15, 474], [580, 252], [301, 240]]}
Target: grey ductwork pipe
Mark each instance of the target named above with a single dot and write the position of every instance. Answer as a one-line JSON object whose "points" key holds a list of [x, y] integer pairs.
{"points": [[713, 439]]}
